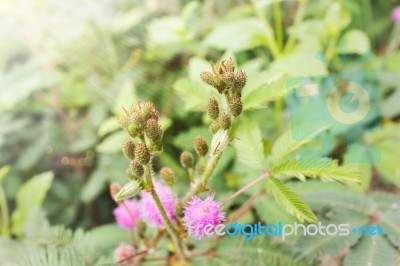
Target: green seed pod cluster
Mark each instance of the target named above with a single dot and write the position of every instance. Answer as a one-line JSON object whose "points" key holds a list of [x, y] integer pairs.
{"points": [[187, 160], [200, 146], [128, 149], [136, 118], [167, 176], [214, 127], [224, 78]]}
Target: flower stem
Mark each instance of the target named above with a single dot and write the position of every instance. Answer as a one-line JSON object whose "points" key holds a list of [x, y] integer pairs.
{"points": [[297, 20], [5, 223], [168, 224], [246, 187], [212, 163], [278, 24]]}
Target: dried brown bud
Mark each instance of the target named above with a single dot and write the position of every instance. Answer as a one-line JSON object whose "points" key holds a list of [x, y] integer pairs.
{"points": [[153, 131], [235, 105], [225, 121], [186, 159], [128, 149], [136, 168], [142, 153], [168, 176], [213, 108], [200, 145]]}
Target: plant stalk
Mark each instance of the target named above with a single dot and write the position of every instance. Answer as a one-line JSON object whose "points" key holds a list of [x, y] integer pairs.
{"points": [[246, 187], [5, 218], [168, 224], [297, 20]]}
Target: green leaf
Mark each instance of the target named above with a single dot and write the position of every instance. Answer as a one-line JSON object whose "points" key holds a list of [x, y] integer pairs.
{"points": [[286, 144], [113, 143], [312, 248], [270, 212], [290, 201], [30, 195], [372, 251], [330, 199], [355, 42], [259, 97], [249, 145], [194, 92], [326, 169], [389, 221], [236, 35], [3, 172]]}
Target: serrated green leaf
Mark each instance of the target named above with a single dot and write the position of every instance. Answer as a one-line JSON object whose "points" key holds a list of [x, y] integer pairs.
{"points": [[290, 200], [260, 96], [248, 144], [286, 144], [389, 221], [326, 169], [372, 251]]}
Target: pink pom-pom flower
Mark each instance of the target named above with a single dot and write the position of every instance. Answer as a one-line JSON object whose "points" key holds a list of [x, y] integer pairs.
{"points": [[396, 14], [149, 207], [199, 213], [127, 214]]}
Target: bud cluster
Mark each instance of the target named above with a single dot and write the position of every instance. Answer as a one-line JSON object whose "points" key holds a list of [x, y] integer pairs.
{"points": [[230, 83], [140, 121], [224, 78]]}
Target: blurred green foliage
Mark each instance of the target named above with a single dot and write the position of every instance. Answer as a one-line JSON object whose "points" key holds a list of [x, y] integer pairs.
{"points": [[68, 68]]}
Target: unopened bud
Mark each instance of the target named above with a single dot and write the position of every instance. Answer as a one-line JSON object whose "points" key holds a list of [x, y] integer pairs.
{"points": [[167, 176], [114, 189], [208, 78], [123, 120], [187, 159], [213, 108], [214, 127], [153, 131], [136, 168], [235, 105], [228, 64], [128, 149], [200, 145], [142, 153], [225, 121], [240, 79]]}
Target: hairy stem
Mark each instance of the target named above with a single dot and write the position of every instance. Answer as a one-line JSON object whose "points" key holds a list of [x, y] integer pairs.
{"points": [[5, 219], [168, 224], [246, 187]]}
